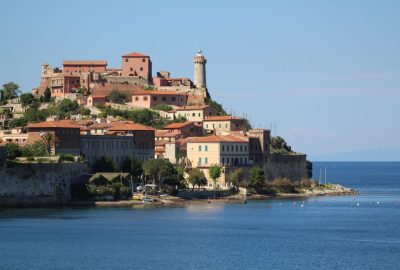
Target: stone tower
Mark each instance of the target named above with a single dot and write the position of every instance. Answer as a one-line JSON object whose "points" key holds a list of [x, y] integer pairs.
{"points": [[199, 70]]}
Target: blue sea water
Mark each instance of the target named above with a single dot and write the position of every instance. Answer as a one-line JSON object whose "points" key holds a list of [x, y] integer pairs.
{"points": [[347, 232]]}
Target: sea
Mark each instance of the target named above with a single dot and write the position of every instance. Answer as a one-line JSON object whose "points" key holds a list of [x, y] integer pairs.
{"points": [[343, 232]]}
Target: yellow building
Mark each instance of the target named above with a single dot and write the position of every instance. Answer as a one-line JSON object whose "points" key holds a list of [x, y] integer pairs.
{"points": [[195, 113], [226, 123], [225, 151]]}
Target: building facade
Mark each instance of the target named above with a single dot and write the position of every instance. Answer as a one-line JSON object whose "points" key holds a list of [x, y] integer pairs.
{"points": [[67, 135], [137, 64], [225, 151], [149, 99], [220, 124]]}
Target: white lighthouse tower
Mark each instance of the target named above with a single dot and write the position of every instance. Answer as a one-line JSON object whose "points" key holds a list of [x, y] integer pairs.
{"points": [[199, 70]]}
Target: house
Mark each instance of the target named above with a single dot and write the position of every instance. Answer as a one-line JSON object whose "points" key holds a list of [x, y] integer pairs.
{"points": [[185, 129], [67, 135], [149, 99], [119, 142], [226, 151], [193, 113], [226, 123], [93, 100]]}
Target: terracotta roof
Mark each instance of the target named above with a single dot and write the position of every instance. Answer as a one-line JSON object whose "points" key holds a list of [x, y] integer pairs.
{"points": [[178, 125], [135, 54], [216, 138], [85, 62], [222, 118], [157, 92], [166, 133], [130, 126], [54, 124]]}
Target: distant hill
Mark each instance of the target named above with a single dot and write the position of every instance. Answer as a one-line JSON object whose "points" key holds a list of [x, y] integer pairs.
{"points": [[392, 154]]}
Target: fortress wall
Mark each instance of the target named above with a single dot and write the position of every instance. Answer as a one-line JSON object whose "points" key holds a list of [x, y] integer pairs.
{"points": [[293, 167], [36, 184]]}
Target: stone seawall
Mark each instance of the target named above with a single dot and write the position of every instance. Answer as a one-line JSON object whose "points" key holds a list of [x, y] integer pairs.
{"points": [[293, 167], [38, 184]]}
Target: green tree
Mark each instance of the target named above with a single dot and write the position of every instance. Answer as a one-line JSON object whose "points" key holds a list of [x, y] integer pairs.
{"points": [[104, 164], [117, 97], [85, 111], [10, 90], [256, 178], [279, 146], [197, 178], [66, 106], [158, 169], [47, 95], [13, 150], [49, 140], [236, 176], [27, 99], [37, 149], [214, 172]]}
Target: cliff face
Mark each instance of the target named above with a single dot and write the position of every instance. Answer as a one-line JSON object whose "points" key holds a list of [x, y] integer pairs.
{"points": [[38, 184], [293, 167]]}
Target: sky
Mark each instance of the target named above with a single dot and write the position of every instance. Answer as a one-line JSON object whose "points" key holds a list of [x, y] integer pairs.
{"points": [[326, 74]]}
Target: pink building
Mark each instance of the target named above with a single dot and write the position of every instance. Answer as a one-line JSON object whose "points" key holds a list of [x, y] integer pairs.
{"points": [[149, 99], [137, 64], [93, 100], [76, 67]]}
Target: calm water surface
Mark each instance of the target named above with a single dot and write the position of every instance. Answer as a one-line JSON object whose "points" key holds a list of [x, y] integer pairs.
{"points": [[349, 232]]}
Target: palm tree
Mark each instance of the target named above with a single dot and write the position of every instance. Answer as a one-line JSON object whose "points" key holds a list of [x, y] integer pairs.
{"points": [[50, 141]]}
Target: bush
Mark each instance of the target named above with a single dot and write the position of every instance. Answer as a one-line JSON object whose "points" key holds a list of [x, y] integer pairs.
{"points": [[67, 157], [13, 151], [37, 149], [162, 107]]}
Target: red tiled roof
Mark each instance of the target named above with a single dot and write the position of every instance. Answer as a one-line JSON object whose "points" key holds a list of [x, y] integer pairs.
{"points": [[157, 92], [215, 138], [166, 133], [54, 124], [178, 125], [222, 118], [85, 62], [135, 54], [130, 126]]}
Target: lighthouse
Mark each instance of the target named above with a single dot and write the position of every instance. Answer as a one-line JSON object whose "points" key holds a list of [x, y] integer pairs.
{"points": [[199, 70]]}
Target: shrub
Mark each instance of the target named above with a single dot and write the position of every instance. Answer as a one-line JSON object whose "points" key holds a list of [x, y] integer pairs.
{"points": [[162, 107], [13, 151], [67, 157]]}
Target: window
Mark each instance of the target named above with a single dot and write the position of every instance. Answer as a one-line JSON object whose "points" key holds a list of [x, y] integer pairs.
{"points": [[232, 148], [199, 148], [223, 148], [144, 60], [137, 98], [237, 148], [145, 98], [154, 98], [164, 99], [219, 125], [241, 148], [193, 114], [126, 60], [199, 161], [131, 69], [141, 69], [223, 161], [206, 160], [173, 98], [206, 148]]}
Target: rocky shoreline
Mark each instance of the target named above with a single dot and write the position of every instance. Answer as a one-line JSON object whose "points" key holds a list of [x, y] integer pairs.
{"points": [[332, 190]]}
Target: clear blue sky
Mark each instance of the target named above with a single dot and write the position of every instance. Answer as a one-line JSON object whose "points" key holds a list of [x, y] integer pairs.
{"points": [[327, 72]]}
